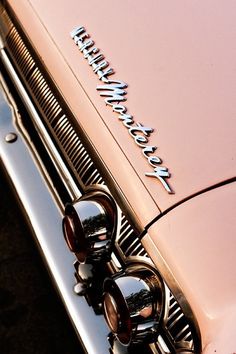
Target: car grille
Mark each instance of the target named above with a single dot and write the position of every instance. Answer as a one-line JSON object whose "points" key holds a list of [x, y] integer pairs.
{"points": [[60, 124], [54, 115], [177, 325], [57, 119]]}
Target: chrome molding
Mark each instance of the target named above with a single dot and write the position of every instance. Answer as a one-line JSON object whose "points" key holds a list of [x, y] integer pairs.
{"points": [[45, 217], [45, 137]]}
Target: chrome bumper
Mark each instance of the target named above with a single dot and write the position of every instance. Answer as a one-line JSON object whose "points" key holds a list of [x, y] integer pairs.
{"points": [[44, 213]]}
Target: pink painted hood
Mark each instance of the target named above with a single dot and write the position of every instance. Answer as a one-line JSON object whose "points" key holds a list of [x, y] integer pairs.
{"points": [[197, 242], [179, 62], [178, 59]]}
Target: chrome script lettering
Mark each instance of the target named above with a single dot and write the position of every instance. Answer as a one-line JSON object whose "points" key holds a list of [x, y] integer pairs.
{"points": [[114, 92]]}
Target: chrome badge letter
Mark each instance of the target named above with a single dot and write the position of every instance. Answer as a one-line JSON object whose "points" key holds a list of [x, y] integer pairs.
{"points": [[114, 93]]}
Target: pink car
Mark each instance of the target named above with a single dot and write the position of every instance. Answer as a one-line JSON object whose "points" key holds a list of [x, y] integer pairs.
{"points": [[125, 164]]}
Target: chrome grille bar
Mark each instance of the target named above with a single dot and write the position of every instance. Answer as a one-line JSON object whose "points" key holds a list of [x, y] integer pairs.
{"points": [[55, 156], [54, 115], [177, 325]]}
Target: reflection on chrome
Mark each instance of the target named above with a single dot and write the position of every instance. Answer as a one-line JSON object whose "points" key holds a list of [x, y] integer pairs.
{"points": [[89, 227], [133, 304], [140, 304]]}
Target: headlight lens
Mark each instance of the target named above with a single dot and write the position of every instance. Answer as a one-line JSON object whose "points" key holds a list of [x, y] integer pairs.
{"points": [[133, 304]]}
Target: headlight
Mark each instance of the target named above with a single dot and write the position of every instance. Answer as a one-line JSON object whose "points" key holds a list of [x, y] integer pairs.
{"points": [[133, 304], [89, 226]]}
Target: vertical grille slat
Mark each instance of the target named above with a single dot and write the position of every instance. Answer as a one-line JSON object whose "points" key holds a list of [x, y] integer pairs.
{"points": [[71, 142], [73, 146], [173, 321], [93, 177], [49, 106], [128, 240], [177, 324], [125, 233], [64, 133], [46, 100], [98, 180], [44, 91], [135, 249], [62, 129], [80, 159], [182, 335], [88, 170], [76, 151], [83, 162], [68, 134], [60, 124], [32, 80], [143, 253], [56, 117], [84, 166], [131, 247], [140, 251], [54, 113], [23, 61]]}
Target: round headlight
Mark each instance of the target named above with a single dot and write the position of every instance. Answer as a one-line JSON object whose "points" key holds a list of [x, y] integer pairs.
{"points": [[89, 226], [133, 304]]}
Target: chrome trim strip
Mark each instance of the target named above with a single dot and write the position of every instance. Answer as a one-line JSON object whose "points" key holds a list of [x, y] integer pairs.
{"points": [[45, 218], [67, 179]]}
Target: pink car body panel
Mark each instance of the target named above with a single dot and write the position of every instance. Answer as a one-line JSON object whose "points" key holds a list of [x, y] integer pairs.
{"points": [[197, 241], [179, 61]]}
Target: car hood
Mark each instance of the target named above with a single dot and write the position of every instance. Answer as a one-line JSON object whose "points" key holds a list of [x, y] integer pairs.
{"points": [[197, 242], [178, 61]]}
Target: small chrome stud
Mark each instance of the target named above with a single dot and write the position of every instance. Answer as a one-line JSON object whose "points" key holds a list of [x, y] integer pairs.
{"points": [[10, 137]]}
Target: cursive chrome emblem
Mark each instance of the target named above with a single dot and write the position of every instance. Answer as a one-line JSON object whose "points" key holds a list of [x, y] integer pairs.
{"points": [[114, 93]]}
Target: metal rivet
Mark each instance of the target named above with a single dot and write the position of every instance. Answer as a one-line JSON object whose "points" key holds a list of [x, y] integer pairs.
{"points": [[10, 137], [80, 289]]}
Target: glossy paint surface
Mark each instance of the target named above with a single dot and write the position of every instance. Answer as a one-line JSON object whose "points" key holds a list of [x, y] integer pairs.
{"points": [[88, 117], [178, 59], [197, 241]]}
